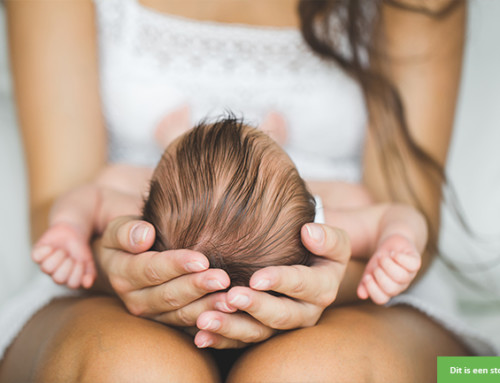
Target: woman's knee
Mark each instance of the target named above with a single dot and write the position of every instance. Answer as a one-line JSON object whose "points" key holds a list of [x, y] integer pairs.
{"points": [[351, 344], [307, 355], [98, 341]]}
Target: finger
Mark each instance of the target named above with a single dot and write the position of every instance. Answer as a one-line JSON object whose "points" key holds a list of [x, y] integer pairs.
{"points": [[326, 241], [238, 326], [374, 260], [39, 253], [177, 293], [204, 339], [410, 262], [396, 272], [279, 313], [89, 275], [376, 294], [187, 315], [52, 262], [76, 276], [362, 291], [386, 284], [129, 234], [62, 273], [153, 268], [316, 285]]}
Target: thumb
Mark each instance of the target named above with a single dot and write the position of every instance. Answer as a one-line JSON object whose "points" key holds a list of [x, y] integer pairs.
{"points": [[129, 234], [326, 241]]}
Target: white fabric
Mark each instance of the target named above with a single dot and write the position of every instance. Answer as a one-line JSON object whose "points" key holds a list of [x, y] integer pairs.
{"points": [[16, 312], [320, 211], [152, 63]]}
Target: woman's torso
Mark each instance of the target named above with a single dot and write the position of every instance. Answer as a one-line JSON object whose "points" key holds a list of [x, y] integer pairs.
{"points": [[152, 63]]}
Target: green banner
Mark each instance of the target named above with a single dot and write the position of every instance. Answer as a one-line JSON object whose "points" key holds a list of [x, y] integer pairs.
{"points": [[468, 369]]}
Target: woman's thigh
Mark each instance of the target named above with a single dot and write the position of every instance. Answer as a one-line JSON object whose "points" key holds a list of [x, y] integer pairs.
{"points": [[364, 343], [96, 340]]}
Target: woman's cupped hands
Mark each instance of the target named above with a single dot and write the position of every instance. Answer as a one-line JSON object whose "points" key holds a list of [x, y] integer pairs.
{"points": [[178, 287]]}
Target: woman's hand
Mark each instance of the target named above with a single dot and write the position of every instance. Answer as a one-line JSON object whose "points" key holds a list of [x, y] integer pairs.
{"points": [[153, 284], [307, 291]]}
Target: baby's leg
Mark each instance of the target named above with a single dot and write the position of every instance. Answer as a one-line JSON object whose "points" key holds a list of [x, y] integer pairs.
{"points": [[64, 251], [390, 270]]}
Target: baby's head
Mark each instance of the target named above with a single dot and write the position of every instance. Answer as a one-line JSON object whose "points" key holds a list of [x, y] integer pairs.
{"points": [[230, 192]]}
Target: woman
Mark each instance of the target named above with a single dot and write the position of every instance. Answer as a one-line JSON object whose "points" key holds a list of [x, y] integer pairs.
{"points": [[418, 62]]}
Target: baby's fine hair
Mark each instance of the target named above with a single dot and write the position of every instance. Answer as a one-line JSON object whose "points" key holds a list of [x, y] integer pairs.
{"points": [[229, 191]]}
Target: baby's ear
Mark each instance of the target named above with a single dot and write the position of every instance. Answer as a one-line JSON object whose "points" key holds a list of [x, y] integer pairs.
{"points": [[274, 124], [173, 125]]}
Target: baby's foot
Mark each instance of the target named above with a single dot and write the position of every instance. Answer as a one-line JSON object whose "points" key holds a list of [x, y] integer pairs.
{"points": [[275, 126], [390, 270], [65, 254], [173, 125]]}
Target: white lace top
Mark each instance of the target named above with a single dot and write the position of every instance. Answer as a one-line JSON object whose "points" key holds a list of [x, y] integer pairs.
{"points": [[152, 63]]}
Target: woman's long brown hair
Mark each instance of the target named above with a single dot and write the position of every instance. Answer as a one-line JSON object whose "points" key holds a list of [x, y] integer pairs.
{"points": [[359, 22]]}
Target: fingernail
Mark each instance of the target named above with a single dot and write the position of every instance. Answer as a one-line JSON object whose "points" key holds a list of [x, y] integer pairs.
{"points": [[222, 306], [262, 284], [214, 284], [240, 300], [139, 233], [316, 232], [206, 344], [212, 325], [41, 252], [195, 266]]}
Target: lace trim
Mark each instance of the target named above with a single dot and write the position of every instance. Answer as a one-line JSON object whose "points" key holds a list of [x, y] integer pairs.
{"points": [[178, 42], [110, 15], [216, 67]]}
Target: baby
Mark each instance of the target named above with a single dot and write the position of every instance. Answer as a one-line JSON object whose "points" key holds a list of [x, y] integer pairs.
{"points": [[229, 191]]}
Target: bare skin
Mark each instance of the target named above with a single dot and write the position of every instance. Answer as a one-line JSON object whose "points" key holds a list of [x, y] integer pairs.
{"points": [[388, 345], [366, 337], [99, 341]]}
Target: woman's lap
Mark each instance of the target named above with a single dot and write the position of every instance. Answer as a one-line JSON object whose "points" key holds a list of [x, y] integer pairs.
{"points": [[363, 343], [94, 339]]}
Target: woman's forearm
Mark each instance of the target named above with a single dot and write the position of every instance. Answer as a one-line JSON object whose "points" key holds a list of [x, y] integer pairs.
{"points": [[53, 59]]}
